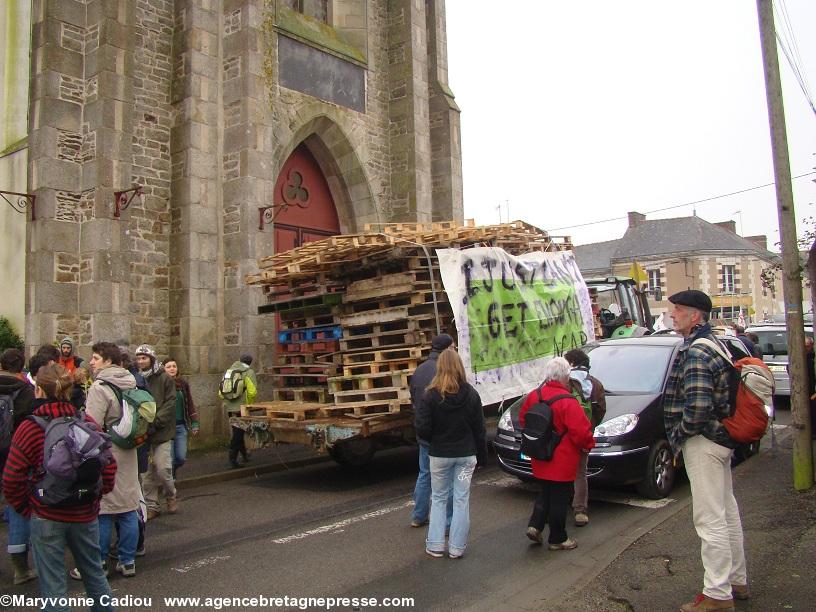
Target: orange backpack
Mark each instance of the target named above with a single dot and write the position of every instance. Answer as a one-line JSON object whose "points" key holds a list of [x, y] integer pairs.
{"points": [[751, 387]]}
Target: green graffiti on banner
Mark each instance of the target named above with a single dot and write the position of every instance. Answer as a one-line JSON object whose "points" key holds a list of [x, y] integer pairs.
{"points": [[525, 322]]}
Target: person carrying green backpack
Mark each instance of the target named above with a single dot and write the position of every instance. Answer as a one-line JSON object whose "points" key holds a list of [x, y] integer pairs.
{"points": [[590, 393], [238, 386]]}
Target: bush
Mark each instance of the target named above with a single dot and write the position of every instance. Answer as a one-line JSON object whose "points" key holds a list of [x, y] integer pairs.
{"points": [[8, 337]]}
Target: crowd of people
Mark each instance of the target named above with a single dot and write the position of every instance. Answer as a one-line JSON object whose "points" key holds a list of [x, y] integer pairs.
{"points": [[100, 510], [451, 437], [132, 480]]}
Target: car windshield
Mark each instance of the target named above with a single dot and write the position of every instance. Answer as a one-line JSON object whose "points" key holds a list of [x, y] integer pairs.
{"points": [[630, 368], [773, 341]]}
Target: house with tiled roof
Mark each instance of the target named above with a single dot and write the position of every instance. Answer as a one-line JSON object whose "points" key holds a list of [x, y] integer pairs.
{"points": [[690, 253]]}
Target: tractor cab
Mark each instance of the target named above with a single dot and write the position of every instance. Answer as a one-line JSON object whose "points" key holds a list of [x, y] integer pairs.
{"points": [[620, 308]]}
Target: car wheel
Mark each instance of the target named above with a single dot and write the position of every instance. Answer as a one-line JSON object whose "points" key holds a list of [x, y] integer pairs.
{"points": [[659, 477]]}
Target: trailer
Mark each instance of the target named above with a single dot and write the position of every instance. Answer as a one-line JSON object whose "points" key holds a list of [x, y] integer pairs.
{"points": [[355, 315]]}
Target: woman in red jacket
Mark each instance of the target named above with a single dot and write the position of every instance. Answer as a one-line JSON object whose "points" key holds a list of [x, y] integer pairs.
{"points": [[557, 476]]}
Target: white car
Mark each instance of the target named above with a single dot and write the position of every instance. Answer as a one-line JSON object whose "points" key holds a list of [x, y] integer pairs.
{"points": [[773, 342]]}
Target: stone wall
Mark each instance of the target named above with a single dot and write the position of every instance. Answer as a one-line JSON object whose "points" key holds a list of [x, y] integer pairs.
{"points": [[182, 98]]}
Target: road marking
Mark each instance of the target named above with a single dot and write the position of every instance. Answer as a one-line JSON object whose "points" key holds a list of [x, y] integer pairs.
{"points": [[339, 525], [200, 563]]}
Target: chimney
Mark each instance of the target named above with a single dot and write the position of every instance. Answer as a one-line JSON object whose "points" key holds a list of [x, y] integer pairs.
{"points": [[731, 226], [760, 241], [635, 219]]}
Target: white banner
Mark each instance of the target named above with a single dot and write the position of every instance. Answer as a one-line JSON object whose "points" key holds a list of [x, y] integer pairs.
{"points": [[513, 314]]}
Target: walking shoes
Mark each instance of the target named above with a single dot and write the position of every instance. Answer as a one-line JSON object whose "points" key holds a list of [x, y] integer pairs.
{"points": [[535, 535], [740, 591], [565, 545], [703, 603], [581, 519]]}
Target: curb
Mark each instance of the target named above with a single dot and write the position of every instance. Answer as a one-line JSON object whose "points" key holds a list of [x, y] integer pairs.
{"points": [[243, 472]]}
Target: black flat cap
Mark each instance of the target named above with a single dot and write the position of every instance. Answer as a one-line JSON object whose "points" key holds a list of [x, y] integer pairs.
{"points": [[693, 299], [441, 342]]}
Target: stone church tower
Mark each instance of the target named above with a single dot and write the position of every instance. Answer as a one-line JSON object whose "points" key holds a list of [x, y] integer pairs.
{"points": [[250, 126]]}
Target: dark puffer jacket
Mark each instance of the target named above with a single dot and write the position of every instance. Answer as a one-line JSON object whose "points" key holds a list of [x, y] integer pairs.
{"points": [[453, 424]]}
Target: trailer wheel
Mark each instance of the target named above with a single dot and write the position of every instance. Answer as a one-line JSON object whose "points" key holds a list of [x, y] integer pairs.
{"points": [[356, 452]]}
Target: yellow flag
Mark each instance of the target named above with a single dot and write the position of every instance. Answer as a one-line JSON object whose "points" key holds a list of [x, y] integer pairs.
{"points": [[637, 273]]}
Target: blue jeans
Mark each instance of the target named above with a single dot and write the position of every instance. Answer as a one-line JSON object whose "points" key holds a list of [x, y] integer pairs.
{"points": [[450, 473], [422, 490], [19, 532], [48, 542], [127, 526], [180, 446]]}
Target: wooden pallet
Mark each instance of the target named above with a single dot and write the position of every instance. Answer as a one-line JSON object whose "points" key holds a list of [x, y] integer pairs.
{"points": [[409, 351], [291, 411], [372, 395], [321, 333], [302, 303], [377, 367], [298, 380], [315, 395], [366, 382], [385, 340], [368, 408]]}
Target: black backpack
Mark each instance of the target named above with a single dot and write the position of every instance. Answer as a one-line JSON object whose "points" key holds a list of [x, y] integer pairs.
{"points": [[7, 419], [539, 438]]}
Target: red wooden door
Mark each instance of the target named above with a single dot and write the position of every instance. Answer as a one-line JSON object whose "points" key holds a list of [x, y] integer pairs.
{"points": [[311, 214]]}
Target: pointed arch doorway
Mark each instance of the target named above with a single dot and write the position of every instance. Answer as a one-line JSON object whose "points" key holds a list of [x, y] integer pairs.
{"points": [[311, 214]]}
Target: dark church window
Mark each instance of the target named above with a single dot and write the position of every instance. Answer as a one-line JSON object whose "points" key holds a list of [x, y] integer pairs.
{"points": [[317, 9]]}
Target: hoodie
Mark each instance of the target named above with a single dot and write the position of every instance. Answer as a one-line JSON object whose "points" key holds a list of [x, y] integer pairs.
{"points": [[453, 425], [103, 406], [163, 390], [72, 362], [25, 461], [10, 384]]}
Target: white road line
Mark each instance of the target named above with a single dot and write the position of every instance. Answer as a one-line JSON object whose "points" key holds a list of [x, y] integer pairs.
{"points": [[200, 563], [338, 526]]}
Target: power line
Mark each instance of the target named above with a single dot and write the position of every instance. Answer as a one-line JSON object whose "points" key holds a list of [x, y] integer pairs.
{"points": [[648, 212]]}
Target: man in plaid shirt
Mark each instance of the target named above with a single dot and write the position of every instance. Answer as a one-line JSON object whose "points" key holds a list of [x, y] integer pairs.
{"points": [[695, 401]]}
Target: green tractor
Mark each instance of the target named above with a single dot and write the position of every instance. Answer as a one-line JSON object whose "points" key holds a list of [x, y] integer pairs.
{"points": [[621, 307]]}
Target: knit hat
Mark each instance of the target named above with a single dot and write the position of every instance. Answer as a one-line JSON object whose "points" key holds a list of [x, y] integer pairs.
{"points": [[146, 349], [246, 358], [441, 342], [67, 341]]}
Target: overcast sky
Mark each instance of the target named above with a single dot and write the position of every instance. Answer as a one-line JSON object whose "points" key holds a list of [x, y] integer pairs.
{"points": [[582, 110]]}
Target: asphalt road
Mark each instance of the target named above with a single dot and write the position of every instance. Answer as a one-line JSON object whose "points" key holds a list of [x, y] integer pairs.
{"points": [[325, 531]]}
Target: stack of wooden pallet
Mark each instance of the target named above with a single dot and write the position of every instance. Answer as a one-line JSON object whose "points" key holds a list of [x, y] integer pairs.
{"points": [[356, 314]]}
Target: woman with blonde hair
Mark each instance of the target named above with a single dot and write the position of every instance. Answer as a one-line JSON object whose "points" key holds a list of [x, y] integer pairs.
{"points": [[450, 417]]}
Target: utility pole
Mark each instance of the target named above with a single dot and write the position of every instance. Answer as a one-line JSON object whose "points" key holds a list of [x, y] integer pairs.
{"points": [[791, 268]]}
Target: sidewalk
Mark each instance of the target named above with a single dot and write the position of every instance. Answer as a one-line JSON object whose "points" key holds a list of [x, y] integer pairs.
{"points": [[662, 570]]}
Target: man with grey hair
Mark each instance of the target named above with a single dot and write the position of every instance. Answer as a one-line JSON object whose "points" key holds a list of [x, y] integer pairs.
{"points": [[695, 402], [558, 474]]}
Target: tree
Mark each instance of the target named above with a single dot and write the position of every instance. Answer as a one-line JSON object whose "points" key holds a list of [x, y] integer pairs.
{"points": [[8, 337]]}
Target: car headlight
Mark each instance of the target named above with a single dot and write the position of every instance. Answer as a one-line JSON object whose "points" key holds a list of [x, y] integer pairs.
{"points": [[617, 426], [506, 421]]}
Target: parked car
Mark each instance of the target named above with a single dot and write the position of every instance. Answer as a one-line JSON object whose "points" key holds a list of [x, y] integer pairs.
{"points": [[630, 444], [773, 342]]}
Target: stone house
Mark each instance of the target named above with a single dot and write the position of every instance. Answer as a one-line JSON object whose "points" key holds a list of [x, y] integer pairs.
{"points": [[248, 127], [690, 253]]}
